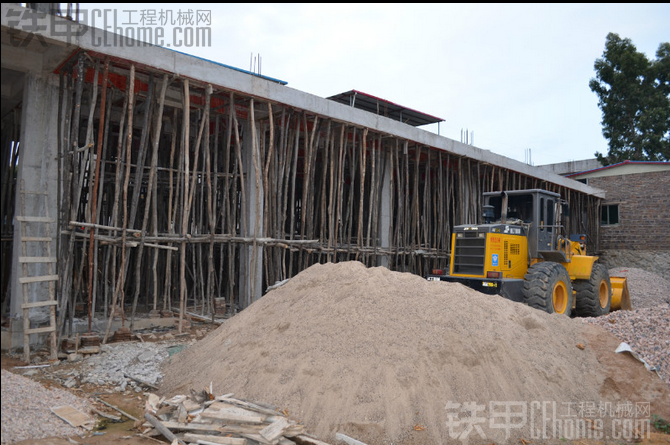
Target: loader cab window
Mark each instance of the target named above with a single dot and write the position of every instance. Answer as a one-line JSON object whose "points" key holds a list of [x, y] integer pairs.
{"points": [[519, 208], [549, 223], [547, 213], [550, 212]]}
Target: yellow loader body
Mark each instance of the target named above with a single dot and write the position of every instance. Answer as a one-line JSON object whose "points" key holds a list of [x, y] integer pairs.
{"points": [[620, 295], [519, 253]]}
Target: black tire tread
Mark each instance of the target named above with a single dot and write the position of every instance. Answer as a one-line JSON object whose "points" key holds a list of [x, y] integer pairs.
{"points": [[588, 293], [539, 283]]}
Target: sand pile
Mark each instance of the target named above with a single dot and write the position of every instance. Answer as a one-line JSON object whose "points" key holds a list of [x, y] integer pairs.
{"points": [[389, 357]]}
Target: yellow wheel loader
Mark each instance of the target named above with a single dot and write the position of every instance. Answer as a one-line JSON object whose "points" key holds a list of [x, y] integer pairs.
{"points": [[521, 253]]}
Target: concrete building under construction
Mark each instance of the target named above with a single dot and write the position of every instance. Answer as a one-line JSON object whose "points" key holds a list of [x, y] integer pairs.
{"points": [[136, 179]]}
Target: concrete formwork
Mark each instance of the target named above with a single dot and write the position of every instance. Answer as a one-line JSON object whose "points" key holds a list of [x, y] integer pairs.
{"points": [[212, 183]]}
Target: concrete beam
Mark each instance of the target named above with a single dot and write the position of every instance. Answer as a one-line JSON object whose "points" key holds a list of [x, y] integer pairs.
{"points": [[251, 257], [218, 75], [385, 213]]}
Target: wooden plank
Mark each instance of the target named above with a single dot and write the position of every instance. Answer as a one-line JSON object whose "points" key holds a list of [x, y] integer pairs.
{"points": [[39, 304], [215, 439], [207, 442], [42, 219], [247, 405], [71, 415], [275, 429], [294, 430], [40, 330], [240, 429], [37, 259], [117, 409], [191, 426], [291, 430], [233, 415], [36, 239], [162, 429], [257, 438], [25, 280]]}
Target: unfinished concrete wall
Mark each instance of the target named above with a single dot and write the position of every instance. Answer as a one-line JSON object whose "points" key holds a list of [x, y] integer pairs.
{"points": [[221, 195], [178, 189]]}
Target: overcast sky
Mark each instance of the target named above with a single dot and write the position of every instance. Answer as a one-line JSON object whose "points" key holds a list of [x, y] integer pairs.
{"points": [[515, 75]]}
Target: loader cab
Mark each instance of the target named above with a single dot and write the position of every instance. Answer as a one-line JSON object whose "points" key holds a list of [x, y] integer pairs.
{"points": [[538, 211]]}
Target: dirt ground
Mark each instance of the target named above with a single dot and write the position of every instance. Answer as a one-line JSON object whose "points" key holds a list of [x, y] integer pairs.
{"points": [[106, 433], [126, 433], [115, 433]]}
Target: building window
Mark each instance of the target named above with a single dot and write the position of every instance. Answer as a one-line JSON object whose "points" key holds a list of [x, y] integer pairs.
{"points": [[610, 215]]}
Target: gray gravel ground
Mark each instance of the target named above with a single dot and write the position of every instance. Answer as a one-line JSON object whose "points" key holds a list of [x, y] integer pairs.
{"points": [[139, 360], [646, 289], [647, 327], [26, 413]]}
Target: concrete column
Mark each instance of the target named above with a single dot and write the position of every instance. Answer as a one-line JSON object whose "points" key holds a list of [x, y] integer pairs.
{"points": [[38, 169], [251, 264], [385, 213]]}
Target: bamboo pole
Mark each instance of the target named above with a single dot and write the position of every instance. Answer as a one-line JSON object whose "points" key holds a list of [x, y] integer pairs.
{"points": [[150, 190], [94, 195], [184, 221], [257, 202], [172, 222], [210, 209], [99, 195], [119, 291]]}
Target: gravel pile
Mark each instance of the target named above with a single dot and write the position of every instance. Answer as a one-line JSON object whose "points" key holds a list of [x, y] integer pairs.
{"points": [[646, 289], [647, 327], [26, 410], [116, 361]]}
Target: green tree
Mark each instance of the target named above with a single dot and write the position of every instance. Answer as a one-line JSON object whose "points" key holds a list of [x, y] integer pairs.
{"points": [[634, 96]]}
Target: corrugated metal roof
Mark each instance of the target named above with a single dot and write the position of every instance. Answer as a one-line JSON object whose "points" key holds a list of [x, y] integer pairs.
{"points": [[383, 107]]}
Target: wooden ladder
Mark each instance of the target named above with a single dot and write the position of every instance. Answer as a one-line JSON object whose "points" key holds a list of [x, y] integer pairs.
{"points": [[26, 279]]}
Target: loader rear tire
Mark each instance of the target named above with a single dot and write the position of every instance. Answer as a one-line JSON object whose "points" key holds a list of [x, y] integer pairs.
{"points": [[594, 296], [547, 287]]}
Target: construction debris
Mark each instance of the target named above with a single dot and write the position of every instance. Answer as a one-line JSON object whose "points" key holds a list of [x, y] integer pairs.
{"points": [[201, 418]]}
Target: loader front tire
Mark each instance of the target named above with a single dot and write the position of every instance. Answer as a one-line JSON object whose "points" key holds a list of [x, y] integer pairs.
{"points": [[547, 287], [594, 296]]}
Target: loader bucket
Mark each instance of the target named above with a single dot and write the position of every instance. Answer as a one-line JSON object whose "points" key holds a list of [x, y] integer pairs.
{"points": [[620, 295]]}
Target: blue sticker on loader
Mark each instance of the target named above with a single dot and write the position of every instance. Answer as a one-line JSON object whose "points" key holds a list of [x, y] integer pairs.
{"points": [[494, 260]]}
